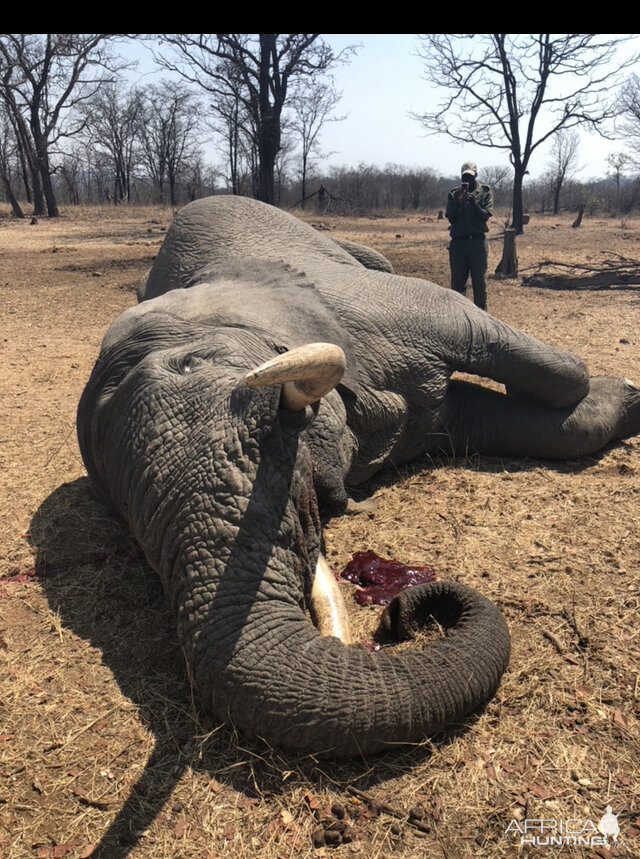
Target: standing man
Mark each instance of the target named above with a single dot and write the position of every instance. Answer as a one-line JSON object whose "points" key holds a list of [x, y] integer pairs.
{"points": [[469, 207]]}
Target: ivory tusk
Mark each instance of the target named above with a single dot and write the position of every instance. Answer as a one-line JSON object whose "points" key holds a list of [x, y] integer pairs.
{"points": [[306, 373], [328, 611]]}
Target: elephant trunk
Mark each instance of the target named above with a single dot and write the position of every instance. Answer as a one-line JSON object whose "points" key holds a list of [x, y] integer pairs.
{"points": [[241, 593], [294, 688], [260, 664]]}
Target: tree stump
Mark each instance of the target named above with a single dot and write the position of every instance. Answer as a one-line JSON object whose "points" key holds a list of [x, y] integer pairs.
{"points": [[440, 215], [578, 220], [508, 265]]}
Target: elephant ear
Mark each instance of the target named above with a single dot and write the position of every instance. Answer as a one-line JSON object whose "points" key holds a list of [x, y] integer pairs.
{"points": [[368, 257], [269, 298]]}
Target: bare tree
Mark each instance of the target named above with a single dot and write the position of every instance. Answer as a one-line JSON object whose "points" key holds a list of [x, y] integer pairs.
{"points": [[312, 105], [8, 150], [113, 122], [563, 162], [233, 124], [259, 70], [42, 77], [514, 91], [629, 113], [70, 170], [499, 177], [168, 133], [198, 179], [617, 162]]}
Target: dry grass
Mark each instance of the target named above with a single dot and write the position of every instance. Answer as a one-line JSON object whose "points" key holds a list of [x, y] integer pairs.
{"points": [[101, 742]]}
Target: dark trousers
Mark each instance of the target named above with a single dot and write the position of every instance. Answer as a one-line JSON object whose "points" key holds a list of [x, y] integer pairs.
{"points": [[469, 255]]}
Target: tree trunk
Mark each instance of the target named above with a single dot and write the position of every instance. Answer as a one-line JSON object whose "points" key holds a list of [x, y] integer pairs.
{"points": [[24, 171], [269, 119], [41, 164], [303, 182], [517, 222], [578, 220], [15, 206], [269, 146], [39, 205], [49, 193], [508, 265], [30, 155]]}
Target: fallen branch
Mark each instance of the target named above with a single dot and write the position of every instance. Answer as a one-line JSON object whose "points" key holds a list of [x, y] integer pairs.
{"points": [[614, 269]]}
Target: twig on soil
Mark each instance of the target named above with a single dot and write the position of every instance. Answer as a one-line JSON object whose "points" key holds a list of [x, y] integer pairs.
{"points": [[570, 617], [552, 638], [389, 809], [53, 455], [89, 726], [398, 814]]}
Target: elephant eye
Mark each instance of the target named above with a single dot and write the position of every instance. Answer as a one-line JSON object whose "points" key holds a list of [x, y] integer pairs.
{"points": [[181, 364]]}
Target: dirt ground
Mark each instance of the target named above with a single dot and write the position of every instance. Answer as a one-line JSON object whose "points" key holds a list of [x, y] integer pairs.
{"points": [[103, 749]]}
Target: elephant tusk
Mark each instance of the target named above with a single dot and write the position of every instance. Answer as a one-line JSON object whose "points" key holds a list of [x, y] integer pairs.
{"points": [[327, 608], [306, 373]]}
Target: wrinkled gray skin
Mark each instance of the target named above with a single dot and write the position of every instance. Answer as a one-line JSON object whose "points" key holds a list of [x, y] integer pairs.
{"points": [[221, 486], [369, 257]]}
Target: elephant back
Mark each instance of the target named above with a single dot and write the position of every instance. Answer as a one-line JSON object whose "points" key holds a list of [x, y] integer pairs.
{"points": [[212, 230]]}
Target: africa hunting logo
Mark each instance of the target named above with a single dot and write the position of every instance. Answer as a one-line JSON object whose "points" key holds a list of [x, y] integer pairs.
{"points": [[576, 831]]}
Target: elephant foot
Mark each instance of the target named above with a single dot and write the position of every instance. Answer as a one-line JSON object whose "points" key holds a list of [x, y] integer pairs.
{"points": [[609, 412], [624, 394]]}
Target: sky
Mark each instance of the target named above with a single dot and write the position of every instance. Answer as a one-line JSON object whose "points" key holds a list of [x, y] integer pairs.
{"points": [[380, 87]]}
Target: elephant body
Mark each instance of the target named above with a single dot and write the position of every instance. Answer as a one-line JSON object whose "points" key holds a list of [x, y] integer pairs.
{"points": [[222, 485]]}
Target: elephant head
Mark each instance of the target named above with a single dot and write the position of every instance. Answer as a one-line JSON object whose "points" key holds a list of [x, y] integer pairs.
{"points": [[266, 371]]}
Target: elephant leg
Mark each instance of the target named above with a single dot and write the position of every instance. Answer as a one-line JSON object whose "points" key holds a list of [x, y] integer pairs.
{"points": [[485, 421], [474, 342]]}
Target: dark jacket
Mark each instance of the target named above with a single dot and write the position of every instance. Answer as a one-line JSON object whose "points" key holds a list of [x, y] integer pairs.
{"points": [[468, 216]]}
